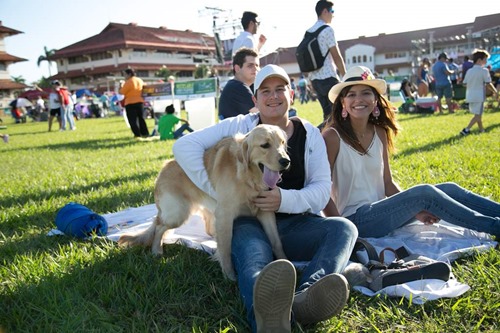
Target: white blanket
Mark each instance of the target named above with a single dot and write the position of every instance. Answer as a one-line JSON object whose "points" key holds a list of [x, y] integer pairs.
{"points": [[441, 241]]}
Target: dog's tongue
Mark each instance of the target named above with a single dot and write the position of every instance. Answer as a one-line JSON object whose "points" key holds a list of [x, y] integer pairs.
{"points": [[271, 177]]}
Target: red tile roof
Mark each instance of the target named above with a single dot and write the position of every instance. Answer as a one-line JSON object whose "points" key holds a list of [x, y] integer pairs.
{"points": [[125, 36], [401, 41], [9, 85], [5, 57], [8, 31]]}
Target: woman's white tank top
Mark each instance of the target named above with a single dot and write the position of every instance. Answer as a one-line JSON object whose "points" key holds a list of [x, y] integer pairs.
{"points": [[358, 179]]}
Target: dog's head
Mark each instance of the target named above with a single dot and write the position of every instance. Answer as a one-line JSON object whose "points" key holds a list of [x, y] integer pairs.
{"points": [[265, 147]]}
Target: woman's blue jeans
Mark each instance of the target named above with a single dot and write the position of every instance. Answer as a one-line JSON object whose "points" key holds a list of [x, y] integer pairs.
{"points": [[447, 201], [326, 243]]}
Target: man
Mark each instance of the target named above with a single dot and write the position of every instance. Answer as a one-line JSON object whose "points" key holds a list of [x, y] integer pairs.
{"points": [[66, 106], [466, 66], [454, 67], [327, 76], [248, 37], [267, 287], [236, 97], [134, 103], [441, 74]]}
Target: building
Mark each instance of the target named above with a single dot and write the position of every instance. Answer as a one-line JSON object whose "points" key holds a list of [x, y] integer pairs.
{"points": [[401, 53], [7, 85], [98, 61]]}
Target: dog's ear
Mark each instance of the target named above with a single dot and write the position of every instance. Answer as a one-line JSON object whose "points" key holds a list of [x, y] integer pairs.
{"points": [[243, 157], [245, 153]]}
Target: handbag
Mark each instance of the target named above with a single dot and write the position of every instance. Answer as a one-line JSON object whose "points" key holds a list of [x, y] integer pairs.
{"points": [[404, 268]]}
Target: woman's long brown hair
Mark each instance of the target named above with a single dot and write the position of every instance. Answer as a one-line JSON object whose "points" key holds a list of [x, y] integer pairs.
{"points": [[386, 120]]}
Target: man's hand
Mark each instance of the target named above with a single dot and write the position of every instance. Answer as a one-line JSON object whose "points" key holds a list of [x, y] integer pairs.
{"points": [[268, 200]]}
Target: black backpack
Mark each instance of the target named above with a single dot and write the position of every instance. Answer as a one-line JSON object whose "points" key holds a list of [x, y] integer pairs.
{"points": [[308, 53]]}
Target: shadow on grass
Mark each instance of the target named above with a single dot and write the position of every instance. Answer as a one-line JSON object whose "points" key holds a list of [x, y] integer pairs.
{"points": [[40, 196], [435, 145], [126, 290]]}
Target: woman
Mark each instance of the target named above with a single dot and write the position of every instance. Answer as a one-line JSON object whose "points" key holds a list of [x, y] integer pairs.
{"points": [[422, 77], [359, 137]]}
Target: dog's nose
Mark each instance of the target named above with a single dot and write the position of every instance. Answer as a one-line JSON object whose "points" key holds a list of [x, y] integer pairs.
{"points": [[284, 162]]}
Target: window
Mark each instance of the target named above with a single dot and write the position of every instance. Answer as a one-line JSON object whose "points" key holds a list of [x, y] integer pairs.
{"points": [[101, 56]]}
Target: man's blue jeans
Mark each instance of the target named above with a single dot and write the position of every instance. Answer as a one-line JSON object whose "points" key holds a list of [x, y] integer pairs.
{"points": [[326, 243], [447, 201]]}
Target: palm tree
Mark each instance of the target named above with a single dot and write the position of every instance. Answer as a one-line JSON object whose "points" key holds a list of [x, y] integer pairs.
{"points": [[18, 79], [46, 57]]}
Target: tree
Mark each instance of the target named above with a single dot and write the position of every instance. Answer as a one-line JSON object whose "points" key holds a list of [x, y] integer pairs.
{"points": [[46, 57], [19, 79], [164, 73]]}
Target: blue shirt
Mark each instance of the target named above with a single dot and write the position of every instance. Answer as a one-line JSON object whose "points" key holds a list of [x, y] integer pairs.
{"points": [[235, 99], [439, 70]]}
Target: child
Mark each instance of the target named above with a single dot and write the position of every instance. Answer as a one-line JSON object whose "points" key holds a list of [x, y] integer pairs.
{"points": [[168, 121], [475, 80]]}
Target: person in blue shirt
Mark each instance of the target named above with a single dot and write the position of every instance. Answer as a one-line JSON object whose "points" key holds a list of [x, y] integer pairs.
{"points": [[442, 73], [237, 97]]}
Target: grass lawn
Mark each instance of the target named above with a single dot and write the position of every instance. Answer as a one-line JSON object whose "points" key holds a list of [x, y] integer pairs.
{"points": [[60, 284]]}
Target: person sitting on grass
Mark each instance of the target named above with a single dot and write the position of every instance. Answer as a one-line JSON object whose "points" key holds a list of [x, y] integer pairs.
{"points": [[168, 121], [359, 137]]}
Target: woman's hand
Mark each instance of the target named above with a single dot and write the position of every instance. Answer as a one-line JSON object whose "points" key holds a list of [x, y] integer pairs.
{"points": [[427, 217]]}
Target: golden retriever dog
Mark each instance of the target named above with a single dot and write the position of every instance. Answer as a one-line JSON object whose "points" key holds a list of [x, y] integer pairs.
{"points": [[239, 168]]}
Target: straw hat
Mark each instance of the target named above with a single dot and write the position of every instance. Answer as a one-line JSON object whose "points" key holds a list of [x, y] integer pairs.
{"points": [[358, 75]]}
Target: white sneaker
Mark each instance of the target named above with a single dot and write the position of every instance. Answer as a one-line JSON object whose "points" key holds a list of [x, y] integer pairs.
{"points": [[6, 138]]}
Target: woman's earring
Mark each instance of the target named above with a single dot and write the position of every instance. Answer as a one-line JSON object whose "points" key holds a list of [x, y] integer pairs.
{"points": [[376, 112], [344, 113]]}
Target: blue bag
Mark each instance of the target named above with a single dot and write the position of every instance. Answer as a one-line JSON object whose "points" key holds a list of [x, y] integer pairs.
{"points": [[79, 221]]}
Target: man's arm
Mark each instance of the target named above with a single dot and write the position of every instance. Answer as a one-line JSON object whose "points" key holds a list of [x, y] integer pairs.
{"points": [[338, 59]]}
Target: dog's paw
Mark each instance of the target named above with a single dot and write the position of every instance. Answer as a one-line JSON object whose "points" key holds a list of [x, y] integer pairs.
{"points": [[230, 274]]}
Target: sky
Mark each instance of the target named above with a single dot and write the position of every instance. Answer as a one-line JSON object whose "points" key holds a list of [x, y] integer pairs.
{"points": [[56, 24]]}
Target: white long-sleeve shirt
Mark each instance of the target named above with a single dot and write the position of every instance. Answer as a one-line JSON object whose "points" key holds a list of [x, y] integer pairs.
{"points": [[313, 197]]}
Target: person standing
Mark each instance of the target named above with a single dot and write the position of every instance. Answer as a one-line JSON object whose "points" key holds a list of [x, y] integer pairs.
{"points": [[476, 81], [455, 76], [267, 286], [303, 89], [134, 103], [54, 106], [423, 77], [247, 37], [237, 97], [441, 74], [66, 106], [466, 66], [324, 78]]}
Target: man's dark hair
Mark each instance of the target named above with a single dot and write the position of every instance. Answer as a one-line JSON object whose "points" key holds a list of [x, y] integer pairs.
{"points": [[241, 54], [321, 5], [247, 18], [129, 71]]}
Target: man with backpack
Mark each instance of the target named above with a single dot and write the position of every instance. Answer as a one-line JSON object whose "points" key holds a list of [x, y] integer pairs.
{"points": [[326, 76]]}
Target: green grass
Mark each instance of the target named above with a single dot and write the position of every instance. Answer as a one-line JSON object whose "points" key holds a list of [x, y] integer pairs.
{"points": [[59, 284]]}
